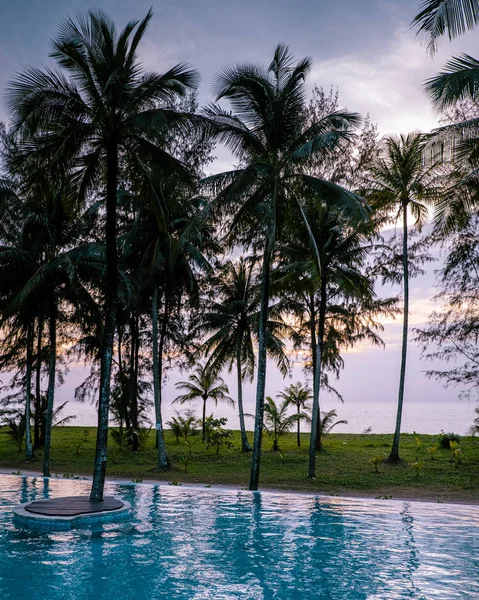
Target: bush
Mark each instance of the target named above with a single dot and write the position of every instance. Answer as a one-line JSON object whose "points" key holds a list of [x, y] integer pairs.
{"points": [[445, 439]]}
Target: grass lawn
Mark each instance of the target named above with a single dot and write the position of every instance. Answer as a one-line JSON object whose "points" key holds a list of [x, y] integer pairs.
{"points": [[343, 468]]}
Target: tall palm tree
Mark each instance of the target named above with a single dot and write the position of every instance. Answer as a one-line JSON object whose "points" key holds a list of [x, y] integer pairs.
{"points": [[172, 239], [203, 385], [266, 131], [231, 320], [100, 107], [299, 396], [326, 288], [11, 247], [403, 184], [454, 17]]}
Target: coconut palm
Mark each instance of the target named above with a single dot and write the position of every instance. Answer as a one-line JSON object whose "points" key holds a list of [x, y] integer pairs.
{"points": [[100, 107], [299, 396], [170, 240], [403, 184], [276, 420], [231, 320], [266, 131], [327, 423], [203, 385], [454, 17], [328, 291], [58, 274]]}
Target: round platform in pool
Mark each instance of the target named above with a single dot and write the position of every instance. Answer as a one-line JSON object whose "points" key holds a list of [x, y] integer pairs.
{"points": [[68, 512], [70, 506]]}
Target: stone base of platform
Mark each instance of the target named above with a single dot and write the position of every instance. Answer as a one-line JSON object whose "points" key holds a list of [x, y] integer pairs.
{"points": [[63, 514]]}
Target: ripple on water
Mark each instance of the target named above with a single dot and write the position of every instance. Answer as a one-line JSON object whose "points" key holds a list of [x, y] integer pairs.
{"points": [[185, 543]]}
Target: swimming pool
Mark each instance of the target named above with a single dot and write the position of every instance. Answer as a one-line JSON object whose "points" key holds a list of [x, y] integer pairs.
{"points": [[193, 543]]}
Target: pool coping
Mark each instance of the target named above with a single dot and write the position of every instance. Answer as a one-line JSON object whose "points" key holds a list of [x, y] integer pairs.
{"points": [[382, 495]]}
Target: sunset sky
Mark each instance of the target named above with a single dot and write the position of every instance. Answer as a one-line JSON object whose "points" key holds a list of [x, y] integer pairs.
{"points": [[365, 48]]}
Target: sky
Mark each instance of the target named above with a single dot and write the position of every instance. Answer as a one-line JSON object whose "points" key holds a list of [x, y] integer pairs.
{"points": [[366, 49]]}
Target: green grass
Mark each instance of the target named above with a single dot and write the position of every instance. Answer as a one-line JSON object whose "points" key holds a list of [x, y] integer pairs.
{"points": [[343, 467]]}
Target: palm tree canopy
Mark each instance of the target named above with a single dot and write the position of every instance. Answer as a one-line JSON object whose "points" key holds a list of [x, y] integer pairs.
{"points": [[297, 395], [437, 17], [327, 422], [277, 421], [99, 97], [203, 384], [231, 320], [401, 180], [267, 133], [458, 80]]}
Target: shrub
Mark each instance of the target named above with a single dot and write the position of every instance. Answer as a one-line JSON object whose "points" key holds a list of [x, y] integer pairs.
{"points": [[445, 439], [216, 435]]}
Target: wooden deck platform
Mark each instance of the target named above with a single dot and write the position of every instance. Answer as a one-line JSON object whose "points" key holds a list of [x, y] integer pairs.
{"points": [[71, 506]]}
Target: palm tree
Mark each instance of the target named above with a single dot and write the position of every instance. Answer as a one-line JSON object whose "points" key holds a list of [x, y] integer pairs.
{"points": [[11, 238], [454, 17], [99, 108], [266, 131], [299, 396], [277, 421], [402, 184], [203, 385], [327, 423], [325, 287], [170, 239], [232, 320]]}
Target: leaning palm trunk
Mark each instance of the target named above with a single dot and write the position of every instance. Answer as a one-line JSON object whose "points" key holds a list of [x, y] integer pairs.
{"points": [[28, 394], [99, 471], [245, 447], [51, 387], [394, 455], [162, 462], [262, 358], [318, 345]]}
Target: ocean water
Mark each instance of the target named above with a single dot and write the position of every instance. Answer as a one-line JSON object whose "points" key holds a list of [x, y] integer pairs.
{"points": [[185, 543], [422, 417]]}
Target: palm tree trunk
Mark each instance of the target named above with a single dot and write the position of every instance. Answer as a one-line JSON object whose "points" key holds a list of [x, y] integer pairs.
{"points": [[317, 379], [162, 462], [99, 470], [52, 330], [245, 447], [28, 393], [39, 422], [298, 434], [133, 386], [203, 430], [262, 359], [394, 455]]}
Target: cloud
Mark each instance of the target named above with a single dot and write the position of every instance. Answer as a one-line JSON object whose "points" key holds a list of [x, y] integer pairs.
{"points": [[388, 85]]}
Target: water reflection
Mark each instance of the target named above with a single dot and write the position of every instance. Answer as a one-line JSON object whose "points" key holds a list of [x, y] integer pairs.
{"points": [[200, 544]]}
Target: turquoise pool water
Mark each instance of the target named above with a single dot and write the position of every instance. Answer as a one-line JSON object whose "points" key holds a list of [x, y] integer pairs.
{"points": [[190, 543]]}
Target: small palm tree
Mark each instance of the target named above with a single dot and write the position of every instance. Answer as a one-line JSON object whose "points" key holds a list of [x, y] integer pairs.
{"points": [[204, 385], [182, 425], [403, 184], [299, 396], [277, 421], [326, 424]]}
